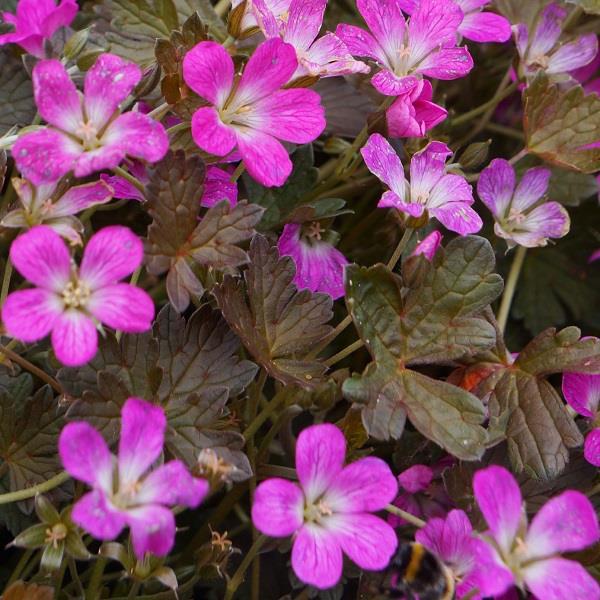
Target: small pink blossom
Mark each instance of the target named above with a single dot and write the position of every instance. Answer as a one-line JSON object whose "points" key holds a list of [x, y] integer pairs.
{"points": [[254, 114], [129, 495], [446, 197], [428, 246], [329, 512], [70, 303], [426, 46], [532, 555], [86, 133], [249, 20], [589, 76], [218, 186], [37, 21], [319, 266]]}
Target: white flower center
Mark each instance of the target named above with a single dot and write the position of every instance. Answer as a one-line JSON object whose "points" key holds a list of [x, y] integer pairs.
{"points": [[88, 134], [76, 294], [314, 513]]}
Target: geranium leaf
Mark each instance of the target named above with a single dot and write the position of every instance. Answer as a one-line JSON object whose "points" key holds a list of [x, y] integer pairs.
{"points": [[278, 324], [16, 92]]}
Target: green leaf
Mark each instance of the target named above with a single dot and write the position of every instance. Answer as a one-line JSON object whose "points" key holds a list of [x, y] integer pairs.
{"points": [[517, 11], [16, 93], [591, 7], [429, 316], [278, 324], [558, 123], [571, 188]]}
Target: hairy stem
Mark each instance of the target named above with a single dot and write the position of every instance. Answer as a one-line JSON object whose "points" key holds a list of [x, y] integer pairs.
{"points": [[394, 510], [129, 177], [510, 287], [347, 351], [238, 576], [30, 492], [400, 248], [25, 364], [6, 281]]}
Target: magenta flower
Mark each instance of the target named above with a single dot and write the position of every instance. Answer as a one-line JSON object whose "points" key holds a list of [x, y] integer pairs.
{"points": [[319, 266], [470, 560], [522, 215], [476, 25], [218, 186], [326, 57], [329, 512], [428, 246], [413, 113], [71, 303], [426, 46], [37, 21], [47, 205], [582, 392], [255, 113], [84, 136], [129, 496], [566, 523], [543, 51], [446, 197], [588, 76], [249, 20]]}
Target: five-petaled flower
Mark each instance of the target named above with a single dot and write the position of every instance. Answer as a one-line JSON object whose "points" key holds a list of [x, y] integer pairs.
{"points": [[329, 513], [128, 495], [254, 113], [446, 197], [522, 215], [406, 52], [37, 21], [71, 303], [531, 556], [86, 133]]}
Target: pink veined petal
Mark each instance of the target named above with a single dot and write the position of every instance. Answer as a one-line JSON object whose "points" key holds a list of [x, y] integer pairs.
{"points": [[418, 477], [33, 44], [449, 539], [390, 84], [548, 30], [152, 530], [106, 85], [42, 257], [44, 156], [362, 43], [278, 507], [566, 523], [56, 96], [560, 579], [74, 338], [266, 160], [111, 254], [138, 135], [329, 56], [304, 22], [142, 436], [317, 556], [591, 447], [85, 455], [93, 513], [499, 499], [208, 70], [533, 185], [450, 188], [582, 392], [320, 454], [172, 484], [458, 217], [574, 55], [447, 63], [488, 573], [266, 19], [408, 6], [472, 5], [366, 485], [427, 168], [401, 119], [218, 186], [81, 197], [271, 65], [122, 188], [30, 315], [496, 186], [122, 306], [549, 220], [389, 199], [60, 15], [381, 159], [485, 27], [211, 134], [368, 540], [69, 228]]}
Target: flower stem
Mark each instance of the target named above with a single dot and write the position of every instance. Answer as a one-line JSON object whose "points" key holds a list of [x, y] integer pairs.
{"points": [[30, 492], [135, 588], [518, 156], [400, 248], [23, 362], [160, 111], [263, 415], [238, 172], [6, 281], [502, 92], [93, 590], [394, 510], [347, 351], [129, 177], [510, 287], [238, 576]]}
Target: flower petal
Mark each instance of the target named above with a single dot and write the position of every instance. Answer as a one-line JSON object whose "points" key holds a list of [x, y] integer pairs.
{"points": [[330, 57], [582, 392], [59, 16], [74, 338], [93, 514], [458, 217], [266, 160], [533, 185], [218, 186], [111, 254], [499, 499], [389, 84], [427, 247], [85, 455], [123, 307], [548, 30], [30, 315], [122, 188], [450, 539], [416, 478], [485, 27], [591, 447], [317, 557], [560, 579], [362, 43], [549, 220], [496, 186], [152, 530], [381, 159], [211, 134], [107, 156], [277, 509], [142, 437], [81, 197], [320, 454], [447, 63], [574, 55], [304, 22]]}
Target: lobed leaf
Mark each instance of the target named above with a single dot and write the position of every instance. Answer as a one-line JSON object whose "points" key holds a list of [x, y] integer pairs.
{"points": [[16, 93]]}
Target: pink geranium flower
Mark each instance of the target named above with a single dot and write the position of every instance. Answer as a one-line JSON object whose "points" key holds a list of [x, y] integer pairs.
{"points": [[413, 113], [543, 51], [405, 52], [522, 215], [255, 113], [582, 392], [329, 512], [326, 57], [37, 21], [86, 133], [446, 197], [428, 246], [249, 20], [589, 76], [70, 303], [476, 25], [129, 496], [566, 523], [319, 266]]}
